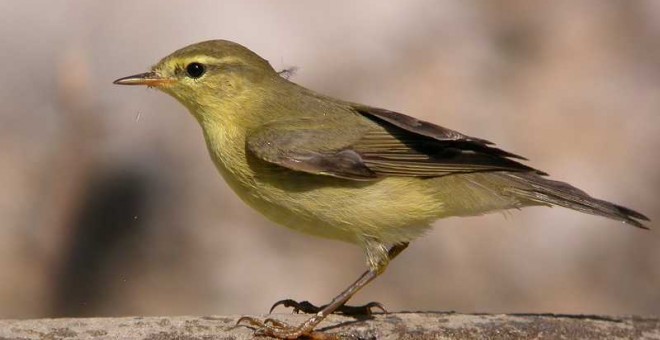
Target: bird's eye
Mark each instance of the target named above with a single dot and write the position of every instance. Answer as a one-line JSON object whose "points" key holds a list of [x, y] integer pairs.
{"points": [[195, 70]]}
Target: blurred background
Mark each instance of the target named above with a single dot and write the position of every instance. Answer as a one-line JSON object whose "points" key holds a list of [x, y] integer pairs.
{"points": [[110, 205]]}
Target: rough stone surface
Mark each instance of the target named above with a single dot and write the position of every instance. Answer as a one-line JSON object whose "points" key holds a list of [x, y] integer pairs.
{"points": [[380, 326]]}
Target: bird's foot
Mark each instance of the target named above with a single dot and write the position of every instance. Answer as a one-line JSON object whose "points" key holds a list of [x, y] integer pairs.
{"points": [[308, 308], [281, 330]]}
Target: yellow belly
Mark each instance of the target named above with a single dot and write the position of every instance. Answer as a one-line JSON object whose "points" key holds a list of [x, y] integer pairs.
{"points": [[391, 210]]}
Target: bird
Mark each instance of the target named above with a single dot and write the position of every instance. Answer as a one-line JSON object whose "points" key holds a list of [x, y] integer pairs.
{"points": [[341, 170]]}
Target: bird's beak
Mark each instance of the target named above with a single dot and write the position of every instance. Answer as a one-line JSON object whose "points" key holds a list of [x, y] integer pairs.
{"points": [[148, 79]]}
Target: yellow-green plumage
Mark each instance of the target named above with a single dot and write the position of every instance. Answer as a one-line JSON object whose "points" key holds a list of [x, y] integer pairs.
{"points": [[342, 170], [391, 209]]}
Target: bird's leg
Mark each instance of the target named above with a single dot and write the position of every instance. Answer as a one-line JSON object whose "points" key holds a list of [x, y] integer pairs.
{"points": [[277, 329], [308, 308]]}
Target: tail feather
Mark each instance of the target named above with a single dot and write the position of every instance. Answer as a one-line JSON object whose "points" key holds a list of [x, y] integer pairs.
{"points": [[548, 192]]}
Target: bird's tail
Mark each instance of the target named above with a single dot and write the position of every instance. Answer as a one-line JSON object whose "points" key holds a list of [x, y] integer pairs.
{"points": [[543, 191]]}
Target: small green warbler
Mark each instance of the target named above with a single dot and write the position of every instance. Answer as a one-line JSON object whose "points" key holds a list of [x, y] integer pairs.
{"points": [[341, 170]]}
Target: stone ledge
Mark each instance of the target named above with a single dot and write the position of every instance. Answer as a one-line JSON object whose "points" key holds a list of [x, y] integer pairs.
{"points": [[406, 325]]}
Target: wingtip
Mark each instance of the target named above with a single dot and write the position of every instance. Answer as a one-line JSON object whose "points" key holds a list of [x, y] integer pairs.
{"points": [[636, 224], [633, 217]]}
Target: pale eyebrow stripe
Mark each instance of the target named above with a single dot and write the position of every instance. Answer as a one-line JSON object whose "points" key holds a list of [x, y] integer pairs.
{"points": [[217, 61], [229, 60]]}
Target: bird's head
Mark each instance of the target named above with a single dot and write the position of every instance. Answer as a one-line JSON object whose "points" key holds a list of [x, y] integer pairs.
{"points": [[207, 74]]}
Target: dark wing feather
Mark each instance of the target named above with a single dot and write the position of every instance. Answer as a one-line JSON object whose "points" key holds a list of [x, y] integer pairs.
{"points": [[433, 131], [390, 144], [406, 146]]}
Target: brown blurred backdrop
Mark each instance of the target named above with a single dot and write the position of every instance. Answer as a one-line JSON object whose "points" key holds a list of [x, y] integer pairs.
{"points": [[109, 204]]}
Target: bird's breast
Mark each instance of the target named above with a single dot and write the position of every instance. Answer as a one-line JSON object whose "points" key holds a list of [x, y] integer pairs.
{"points": [[393, 209]]}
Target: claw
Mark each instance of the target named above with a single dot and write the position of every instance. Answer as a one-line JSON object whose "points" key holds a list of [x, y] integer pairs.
{"points": [[286, 303], [251, 321], [368, 308], [281, 330], [302, 306], [308, 308]]}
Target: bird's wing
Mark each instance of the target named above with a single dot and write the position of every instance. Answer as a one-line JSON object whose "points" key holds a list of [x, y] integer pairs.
{"points": [[405, 146], [307, 145], [430, 130], [386, 144]]}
